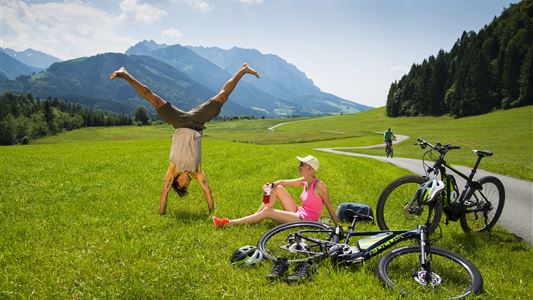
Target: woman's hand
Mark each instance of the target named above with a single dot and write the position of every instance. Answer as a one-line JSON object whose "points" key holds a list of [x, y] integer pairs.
{"points": [[270, 184]]}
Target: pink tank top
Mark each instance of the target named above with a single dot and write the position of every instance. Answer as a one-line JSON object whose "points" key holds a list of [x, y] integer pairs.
{"points": [[311, 203]]}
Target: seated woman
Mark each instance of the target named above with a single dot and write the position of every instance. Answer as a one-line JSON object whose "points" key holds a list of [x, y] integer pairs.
{"points": [[314, 196]]}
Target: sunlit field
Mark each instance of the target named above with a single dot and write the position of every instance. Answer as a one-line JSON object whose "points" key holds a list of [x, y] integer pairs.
{"points": [[79, 211]]}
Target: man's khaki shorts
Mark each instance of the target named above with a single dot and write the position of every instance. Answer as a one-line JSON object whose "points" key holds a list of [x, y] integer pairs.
{"points": [[194, 119]]}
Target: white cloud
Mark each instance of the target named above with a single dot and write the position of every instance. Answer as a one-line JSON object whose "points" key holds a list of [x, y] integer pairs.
{"points": [[65, 29], [143, 13], [171, 32], [200, 5], [250, 1]]}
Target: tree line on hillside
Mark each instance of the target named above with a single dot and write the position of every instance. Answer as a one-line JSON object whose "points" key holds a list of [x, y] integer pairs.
{"points": [[24, 118], [492, 69]]}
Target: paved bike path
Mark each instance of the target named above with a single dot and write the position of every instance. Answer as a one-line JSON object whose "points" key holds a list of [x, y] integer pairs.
{"points": [[517, 214]]}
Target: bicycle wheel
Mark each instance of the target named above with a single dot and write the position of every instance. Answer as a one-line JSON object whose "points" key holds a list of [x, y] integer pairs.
{"points": [[452, 276], [484, 206], [286, 241], [394, 210]]}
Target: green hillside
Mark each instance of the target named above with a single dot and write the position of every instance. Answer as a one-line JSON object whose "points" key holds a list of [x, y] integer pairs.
{"points": [[508, 133], [78, 219]]}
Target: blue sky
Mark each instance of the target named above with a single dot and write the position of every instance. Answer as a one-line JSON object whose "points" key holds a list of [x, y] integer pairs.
{"points": [[353, 49]]}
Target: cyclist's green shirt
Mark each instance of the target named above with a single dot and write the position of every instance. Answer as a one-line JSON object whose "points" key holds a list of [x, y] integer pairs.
{"points": [[388, 135]]}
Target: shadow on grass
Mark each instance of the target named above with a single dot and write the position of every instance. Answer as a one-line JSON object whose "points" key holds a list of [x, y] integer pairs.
{"points": [[472, 241], [189, 217]]}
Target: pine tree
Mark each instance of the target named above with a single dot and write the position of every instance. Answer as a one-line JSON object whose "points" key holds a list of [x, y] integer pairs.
{"points": [[526, 80]]}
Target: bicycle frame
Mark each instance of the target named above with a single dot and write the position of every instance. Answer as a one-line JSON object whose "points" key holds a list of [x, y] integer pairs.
{"points": [[395, 237], [441, 165]]}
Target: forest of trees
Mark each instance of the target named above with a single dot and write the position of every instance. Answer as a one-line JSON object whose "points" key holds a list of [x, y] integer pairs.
{"points": [[24, 118], [492, 69]]}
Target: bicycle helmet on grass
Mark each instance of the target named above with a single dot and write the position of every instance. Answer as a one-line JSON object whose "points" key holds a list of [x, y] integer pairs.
{"points": [[246, 256]]}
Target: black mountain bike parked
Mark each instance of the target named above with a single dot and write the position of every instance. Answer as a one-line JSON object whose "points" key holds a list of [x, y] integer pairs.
{"points": [[405, 202], [413, 270]]}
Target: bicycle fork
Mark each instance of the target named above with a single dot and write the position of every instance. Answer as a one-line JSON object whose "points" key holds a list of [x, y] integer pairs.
{"points": [[424, 275]]}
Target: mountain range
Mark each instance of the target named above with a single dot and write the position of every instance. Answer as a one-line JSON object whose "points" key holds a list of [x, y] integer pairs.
{"points": [[185, 76], [33, 58], [11, 68], [280, 79]]}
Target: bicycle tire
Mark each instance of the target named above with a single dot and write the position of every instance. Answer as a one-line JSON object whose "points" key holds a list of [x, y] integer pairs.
{"points": [[272, 242], [490, 185], [450, 273], [393, 200]]}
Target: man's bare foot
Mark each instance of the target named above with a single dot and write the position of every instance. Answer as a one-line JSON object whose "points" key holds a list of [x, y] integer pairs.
{"points": [[122, 72], [249, 70]]}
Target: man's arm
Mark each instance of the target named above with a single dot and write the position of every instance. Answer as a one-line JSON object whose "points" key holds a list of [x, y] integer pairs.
{"points": [[170, 176], [202, 180]]}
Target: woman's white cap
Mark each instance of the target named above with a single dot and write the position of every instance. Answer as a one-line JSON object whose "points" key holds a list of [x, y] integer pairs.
{"points": [[310, 160]]}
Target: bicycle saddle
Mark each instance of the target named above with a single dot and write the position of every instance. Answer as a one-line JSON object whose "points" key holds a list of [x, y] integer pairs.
{"points": [[348, 211], [483, 153]]}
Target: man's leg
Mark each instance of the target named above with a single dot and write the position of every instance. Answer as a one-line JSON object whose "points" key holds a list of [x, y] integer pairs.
{"points": [[228, 87], [142, 89]]}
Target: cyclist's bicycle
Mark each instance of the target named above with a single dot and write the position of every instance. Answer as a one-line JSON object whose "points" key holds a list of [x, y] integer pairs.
{"points": [[412, 270], [389, 152], [411, 200]]}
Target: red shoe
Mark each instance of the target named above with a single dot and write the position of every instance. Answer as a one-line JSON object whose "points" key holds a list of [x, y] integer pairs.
{"points": [[220, 222]]}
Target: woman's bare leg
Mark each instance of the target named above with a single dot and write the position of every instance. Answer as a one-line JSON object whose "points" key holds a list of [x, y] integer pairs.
{"points": [[228, 87], [142, 89], [279, 192], [267, 213]]}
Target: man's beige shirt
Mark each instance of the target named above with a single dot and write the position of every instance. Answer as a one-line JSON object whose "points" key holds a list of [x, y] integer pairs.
{"points": [[186, 149]]}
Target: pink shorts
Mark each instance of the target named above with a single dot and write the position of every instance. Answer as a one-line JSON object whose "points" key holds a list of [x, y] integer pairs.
{"points": [[307, 215]]}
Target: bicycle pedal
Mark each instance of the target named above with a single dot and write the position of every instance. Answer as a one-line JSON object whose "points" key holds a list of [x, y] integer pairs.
{"points": [[469, 203]]}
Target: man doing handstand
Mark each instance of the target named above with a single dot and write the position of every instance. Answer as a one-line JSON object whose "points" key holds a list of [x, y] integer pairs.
{"points": [[185, 153]]}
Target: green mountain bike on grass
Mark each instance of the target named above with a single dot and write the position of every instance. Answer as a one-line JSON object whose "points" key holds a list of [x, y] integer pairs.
{"points": [[411, 200], [417, 270]]}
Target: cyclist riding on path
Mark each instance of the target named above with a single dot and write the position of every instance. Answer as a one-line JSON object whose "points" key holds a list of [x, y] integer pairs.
{"points": [[388, 137], [185, 153]]}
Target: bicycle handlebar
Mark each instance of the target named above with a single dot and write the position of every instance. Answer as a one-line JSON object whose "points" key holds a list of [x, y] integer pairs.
{"points": [[438, 147]]}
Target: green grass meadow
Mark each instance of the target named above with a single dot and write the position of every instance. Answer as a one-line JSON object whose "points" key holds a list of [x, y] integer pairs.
{"points": [[79, 211]]}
